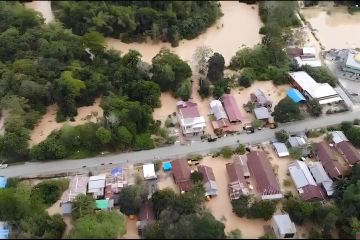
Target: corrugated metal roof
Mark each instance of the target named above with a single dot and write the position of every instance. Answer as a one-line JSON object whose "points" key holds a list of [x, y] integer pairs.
{"points": [[231, 108], [218, 110], [281, 149], [181, 172], [300, 174], [328, 160], [338, 136], [261, 113], [350, 153], [284, 224]]}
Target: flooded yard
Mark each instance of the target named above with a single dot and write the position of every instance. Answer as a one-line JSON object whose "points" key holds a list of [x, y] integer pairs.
{"points": [[334, 26], [48, 123], [238, 27], [131, 229], [221, 208]]}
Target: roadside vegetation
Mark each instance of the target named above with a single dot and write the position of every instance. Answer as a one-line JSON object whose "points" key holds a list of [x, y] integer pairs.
{"points": [[132, 21]]}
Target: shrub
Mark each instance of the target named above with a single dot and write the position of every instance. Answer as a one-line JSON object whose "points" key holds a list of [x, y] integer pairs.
{"points": [[262, 209], [287, 183], [282, 135], [295, 153], [196, 177], [240, 149], [226, 152], [240, 206], [50, 191], [143, 142]]}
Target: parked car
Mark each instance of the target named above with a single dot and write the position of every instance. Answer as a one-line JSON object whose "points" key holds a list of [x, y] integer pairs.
{"points": [[249, 129], [2, 166]]}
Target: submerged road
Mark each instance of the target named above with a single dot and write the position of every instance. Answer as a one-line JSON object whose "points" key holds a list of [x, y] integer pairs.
{"points": [[32, 169]]}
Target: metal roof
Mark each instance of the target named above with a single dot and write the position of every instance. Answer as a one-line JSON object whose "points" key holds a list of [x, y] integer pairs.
{"points": [[295, 95], [300, 174], [297, 141], [231, 108], [218, 109], [261, 113], [284, 224], [318, 172], [281, 149], [338, 136], [149, 171]]}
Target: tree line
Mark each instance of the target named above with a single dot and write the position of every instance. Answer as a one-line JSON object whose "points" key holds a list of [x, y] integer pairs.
{"points": [[46, 64], [136, 20]]}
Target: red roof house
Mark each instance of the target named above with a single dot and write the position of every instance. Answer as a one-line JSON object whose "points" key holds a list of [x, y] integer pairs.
{"points": [[327, 158], [181, 173], [349, 152], [312, 193], [231, 108], [237, 185], [265, 178]]}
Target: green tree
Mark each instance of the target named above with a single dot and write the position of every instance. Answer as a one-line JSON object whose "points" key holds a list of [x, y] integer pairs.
{"points": [[298, 210], [240, 149], [103, 135], [353, 134], [163, 199], [124, 135], [99, 226], [216, 65], [321, 75], [196, 177], [83, 205], [184, 91], [286, 111], [315, 108], [282, 135], [240, 206], [50, 191], [201, 56], [257, 123], [204, 89], [207, 227], [295, 153], [130, 200], [262, 209], [234, 234], [143, 142], [95, 41]]}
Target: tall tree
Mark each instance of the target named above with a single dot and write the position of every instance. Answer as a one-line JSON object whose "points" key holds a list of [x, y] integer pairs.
{"points": [[216, 67]]}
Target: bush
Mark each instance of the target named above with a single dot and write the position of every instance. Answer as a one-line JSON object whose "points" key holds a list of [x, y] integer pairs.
{"points": [[315, 108], [295, 153], [282, 135], [262, 209], [287, 183], [194, 157], [50, 191], [196, 177], [356, 121], [157, 165], [226, 152], [257, 123], [240, 206], [240, 149], [143, 142]]}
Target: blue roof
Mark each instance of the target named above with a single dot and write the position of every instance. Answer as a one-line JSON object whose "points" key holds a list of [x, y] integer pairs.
{"points": [[3, 182], [166, 166], [295, 95], [4, 230], [116, 171]]}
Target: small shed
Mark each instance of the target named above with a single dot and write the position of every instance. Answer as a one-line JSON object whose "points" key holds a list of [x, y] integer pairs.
{"points": [[262, 113], [281, 149], [167, 166], [3, 182], [283, 226], [104, 204], [338, 136], [149, 171], [295, 95]]}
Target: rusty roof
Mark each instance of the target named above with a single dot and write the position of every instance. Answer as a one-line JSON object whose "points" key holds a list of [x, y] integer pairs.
{"points": [[207, 172], [231, 108], [328, 159], [146, 212], [235, 172], [351, 154], [265, 178], [189, 110], [182, 173], [312, 193]]}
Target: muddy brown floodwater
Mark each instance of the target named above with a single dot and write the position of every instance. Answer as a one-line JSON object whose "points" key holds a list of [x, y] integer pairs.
{"points": [[335, 27], [238, 27], [44, 7]]}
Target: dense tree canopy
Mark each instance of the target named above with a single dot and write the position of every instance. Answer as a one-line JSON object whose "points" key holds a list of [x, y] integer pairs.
{"points": [[216, 65], [286, 110], [137, 20]]}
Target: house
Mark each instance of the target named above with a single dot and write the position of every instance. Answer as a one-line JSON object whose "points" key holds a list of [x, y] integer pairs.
{"points": [[262, 113], [181, 173], [3, 182], [280, 149], [352, 63], [260, 99], [104, 204], [77, 186], [231, 108], [338, 136], [295, 95], [321, 178], [218, 110], [265, 179], [304, 182], [146, 216], [237, 185], [210, 186], [4, 230], [283, 227], [191, 122], [349, 152], [322, 92], [299, 142], [114, 183], [327, 158], [304, 56], [149, 171], [96, 185], [242, 160]]}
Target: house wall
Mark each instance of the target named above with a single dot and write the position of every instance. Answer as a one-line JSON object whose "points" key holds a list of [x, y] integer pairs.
{"points": [[276, 229], [272, 197]]}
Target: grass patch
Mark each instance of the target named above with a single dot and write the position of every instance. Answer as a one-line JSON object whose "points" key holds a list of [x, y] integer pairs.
{"points": [[82, 153]]}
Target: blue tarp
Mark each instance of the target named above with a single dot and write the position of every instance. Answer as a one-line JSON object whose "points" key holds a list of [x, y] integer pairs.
{"points": [[3, 182], [166, 166], [295, 95], [4, 230], [116, 171]]}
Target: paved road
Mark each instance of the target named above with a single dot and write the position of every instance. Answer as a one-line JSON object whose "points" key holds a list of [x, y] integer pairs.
{"points": [[31, 169]]}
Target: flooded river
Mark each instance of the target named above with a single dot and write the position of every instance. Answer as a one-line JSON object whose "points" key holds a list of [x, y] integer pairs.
{"points": [[335, 27]]}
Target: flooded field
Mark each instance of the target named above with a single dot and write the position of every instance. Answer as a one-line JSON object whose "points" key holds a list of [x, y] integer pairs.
{"points": [[334, 26], [48, 123], [238, 27], [131, 229]]}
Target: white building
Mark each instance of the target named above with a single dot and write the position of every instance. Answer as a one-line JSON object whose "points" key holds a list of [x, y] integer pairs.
{"points": [[283, 227], [149, 171], [218, 110], [96, 185], [338, 136], [322, 92], [191, 122]]}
